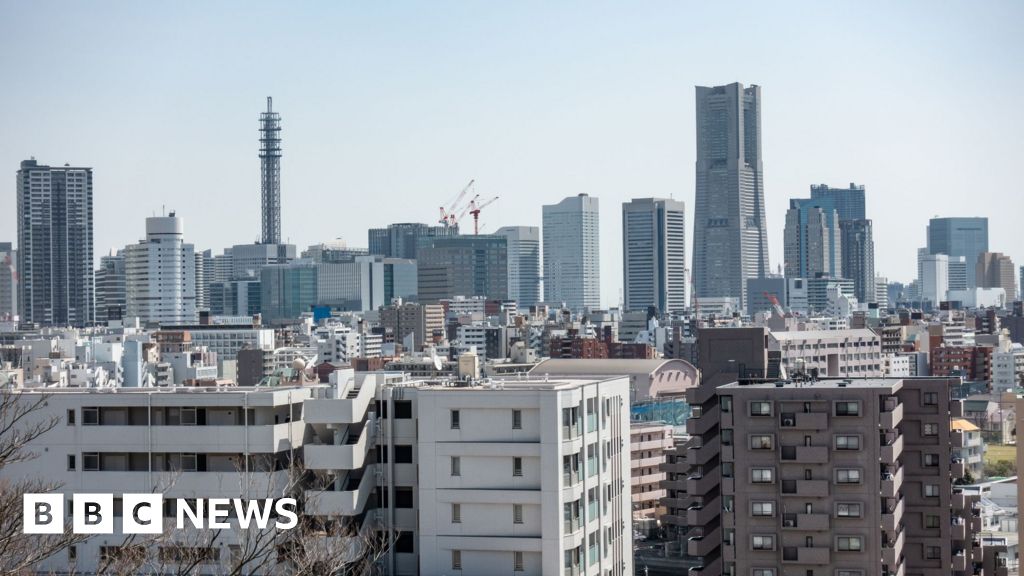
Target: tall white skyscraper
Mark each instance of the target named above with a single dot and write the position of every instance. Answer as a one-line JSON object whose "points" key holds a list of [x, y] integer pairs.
{"points": [[55, 244], [933, 280], [523, 263], [654, 254], [572, 266], [160, 274]]}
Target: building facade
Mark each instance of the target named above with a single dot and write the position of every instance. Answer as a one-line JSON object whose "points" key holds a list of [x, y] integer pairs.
{"points": [[572, 266], [462, 266], [967, 237], [654, 254], [111, 288], [160, 274], [403, 240], [523, 264], [996, 270], [812, 242]]}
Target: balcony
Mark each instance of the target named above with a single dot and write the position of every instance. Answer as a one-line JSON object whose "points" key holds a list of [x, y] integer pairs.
{"points": [[805, 488], [702, 454], [808, 522], [703, 545], [699, 514], [804, 421], [712, 569], [957, 438], [707, 420], [958, 531], [698, 484], [958, 468], [350, 500], [891, 418], [891, 451], [349, 455], [816, 556], [698, 395], [956, 408], [207, 439], [892, 550], [891, 519], [350, 408], [805, 454], [960, 562], [679, 466], [728, 453], [892, 483]]}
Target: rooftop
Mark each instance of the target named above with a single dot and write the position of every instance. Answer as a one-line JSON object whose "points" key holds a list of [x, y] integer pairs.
{"points": [[515, 384], [963, 425], [838, 383]]}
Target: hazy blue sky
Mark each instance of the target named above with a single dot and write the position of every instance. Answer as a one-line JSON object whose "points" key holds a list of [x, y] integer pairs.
{"points": [[389, 108]]}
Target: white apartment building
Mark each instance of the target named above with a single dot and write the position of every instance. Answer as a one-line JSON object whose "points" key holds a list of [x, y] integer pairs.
{"points": [[1007, 367], [160, 274], [855, 353], [226, 340]]}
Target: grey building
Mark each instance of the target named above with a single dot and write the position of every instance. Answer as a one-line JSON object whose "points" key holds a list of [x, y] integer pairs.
{"points": [[848, 202], [248, 259], [55, 244], [859, 257], [654, 254], [111, 288], [967, 237], [240, 297], [366, 283], [287, 291], [813, 244], [761, 290], [523, 263], [730, 235], [572, 267], [403, 240], [462, 266], [8, 281], [817, 291]]}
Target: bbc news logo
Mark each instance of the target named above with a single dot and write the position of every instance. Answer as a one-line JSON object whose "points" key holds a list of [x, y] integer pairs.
{"points": [[144, 513]]}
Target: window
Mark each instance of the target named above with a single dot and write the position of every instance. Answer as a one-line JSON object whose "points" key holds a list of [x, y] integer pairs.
{"points": [[931, 460], [72, 553], [517, 421], [763, 572], [930, 429], [189, 463], [456, 559], [91, 416], [848, 572], [71, 462], [517, 466], [725, 404], [931, 398], [403, 454], [847, 408], [403, 497], [763, 509], [517, 561], [404, 544], [517, 513], [455, 416], [456, 513], [761, 442], [762, 475], [849, 510], [760, 408], [456, 466], [726, 437], [188, 416], [931, 490], [847, 442], [403, 409], [71, 422], [932, 552], [764, 542], [848, 476], [91, 461], [849, 543], [931, 521]]}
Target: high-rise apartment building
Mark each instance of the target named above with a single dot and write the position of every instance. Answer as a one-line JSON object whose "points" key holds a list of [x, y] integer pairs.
{"points": [[462, 266], [417, 324], [967, 237], [523, 264], [996, 270], [270, 174], [572, 266], [730, 235], [8, 281], [55, 244], [654, 254], [813, 244], [160, 274], [111, 288], [403, 240]]}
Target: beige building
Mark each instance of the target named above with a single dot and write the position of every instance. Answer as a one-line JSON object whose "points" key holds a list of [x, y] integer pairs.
{"points": [[648, 444]]}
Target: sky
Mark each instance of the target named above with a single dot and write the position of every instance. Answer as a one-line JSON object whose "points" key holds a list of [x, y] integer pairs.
{"points": [[389, 108]]}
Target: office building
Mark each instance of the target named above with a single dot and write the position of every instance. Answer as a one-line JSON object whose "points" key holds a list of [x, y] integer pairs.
{"points": [[654, 254], [160, 281], [996, 270], [818, 289], [111, 288], [957, 273], [55, 244], [523, 264], [240, 297], [730, 235], [848, 202], [882, 293], [462, 266], [813, 244], [933, 279], [764, 293], [572, 267], [967, 237], [858, 257], [366, 282], [287, 291], [8, 281], [246, 260], [403, 240]]}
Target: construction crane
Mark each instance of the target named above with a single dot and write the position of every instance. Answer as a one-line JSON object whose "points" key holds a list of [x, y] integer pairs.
{"points": [[448, 217], [475, 208], [775, 304]]}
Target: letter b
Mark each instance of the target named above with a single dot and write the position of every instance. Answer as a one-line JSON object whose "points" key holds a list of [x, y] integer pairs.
{"points": [[43, 513], [93, 513]]}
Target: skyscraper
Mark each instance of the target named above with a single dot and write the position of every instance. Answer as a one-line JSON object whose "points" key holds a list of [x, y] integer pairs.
{"points": [[730, 240], [996, 270], [160, 274], [110, 288], [402, 240], [856, 232], [523, 263], [654, 254], [572, 267], [270, 170], [812, 239], [55, 244], [8, 281], [967, 237], [462, 266]]}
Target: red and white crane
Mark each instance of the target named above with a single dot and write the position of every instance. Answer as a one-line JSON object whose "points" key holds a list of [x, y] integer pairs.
{"points": [[448, 215]]}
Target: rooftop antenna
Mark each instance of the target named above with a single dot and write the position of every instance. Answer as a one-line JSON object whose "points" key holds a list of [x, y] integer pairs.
{"points": [[270, 174]]}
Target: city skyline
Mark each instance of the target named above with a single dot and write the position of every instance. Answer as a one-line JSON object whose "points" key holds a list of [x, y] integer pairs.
{"points": [[395, 159]]}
